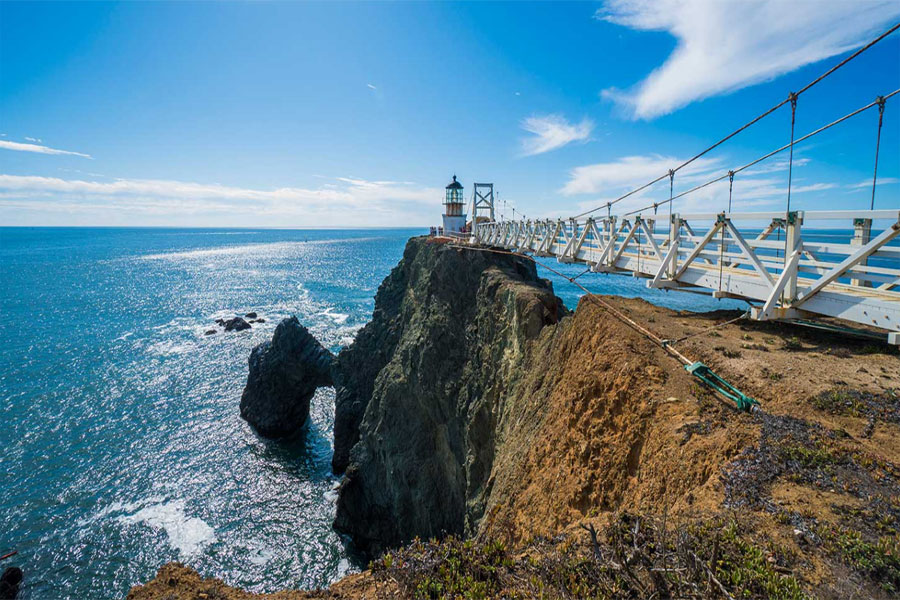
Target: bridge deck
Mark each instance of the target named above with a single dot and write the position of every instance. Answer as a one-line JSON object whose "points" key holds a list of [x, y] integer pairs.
{"points": [[786, 265]]}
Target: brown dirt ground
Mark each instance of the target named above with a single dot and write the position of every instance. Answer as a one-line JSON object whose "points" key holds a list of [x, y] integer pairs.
{"points": [[175, 581]]}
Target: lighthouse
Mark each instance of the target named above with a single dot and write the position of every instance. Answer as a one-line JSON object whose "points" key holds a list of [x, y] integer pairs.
{"points": [[454, 218]]}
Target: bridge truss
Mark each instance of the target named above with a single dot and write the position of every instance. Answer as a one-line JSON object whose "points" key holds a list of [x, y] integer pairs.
{"points": [[795, 265]]}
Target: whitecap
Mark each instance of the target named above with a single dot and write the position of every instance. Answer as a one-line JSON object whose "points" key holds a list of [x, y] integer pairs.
{"points": [[343, 568], [188, 535], [260, 556], [331, 495], [117, 507], [337, 317]]}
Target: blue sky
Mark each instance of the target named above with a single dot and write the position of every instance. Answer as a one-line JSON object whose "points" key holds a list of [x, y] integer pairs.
{"points": [[346, 114]]}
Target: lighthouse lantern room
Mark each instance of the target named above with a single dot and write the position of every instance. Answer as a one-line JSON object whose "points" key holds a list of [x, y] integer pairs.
{"points": [[454, 218]]}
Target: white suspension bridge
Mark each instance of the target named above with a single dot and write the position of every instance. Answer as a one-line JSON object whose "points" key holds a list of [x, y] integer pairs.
{"points": [[788, 265]]}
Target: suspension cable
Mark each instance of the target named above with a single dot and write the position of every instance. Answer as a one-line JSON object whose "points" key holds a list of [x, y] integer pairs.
{"points": [[749, 123], [793, 98], [671, 191], [708, 329], [877, 146], [773, 152]]}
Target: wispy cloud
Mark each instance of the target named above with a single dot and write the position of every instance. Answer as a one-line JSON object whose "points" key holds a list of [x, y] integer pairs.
{"points": [[868, 183], [725, 46], [552, 132], [752, 189], [346, 201], [371, 87], [35, 140], [630, 172], [20, 147]]}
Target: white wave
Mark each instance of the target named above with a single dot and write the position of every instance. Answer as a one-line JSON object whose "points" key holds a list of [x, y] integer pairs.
{"points": [[337, 317], [188, 535], [124, 336], [114, 507], [343, 568], [260, 556], [331, 495], [347, 334]]}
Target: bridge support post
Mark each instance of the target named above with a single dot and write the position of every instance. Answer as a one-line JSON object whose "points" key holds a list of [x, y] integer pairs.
{"points": [[862, 233], [674, 242], [793, 242]]}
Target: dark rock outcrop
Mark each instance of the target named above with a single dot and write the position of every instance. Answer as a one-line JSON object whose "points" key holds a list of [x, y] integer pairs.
{"points": [[417, 391], [9, 583], [250, 315], [236, 324], [284, 375]]}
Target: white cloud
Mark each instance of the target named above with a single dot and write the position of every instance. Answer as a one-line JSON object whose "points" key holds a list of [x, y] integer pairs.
{"points": [[37, 148], [371, 87], [752, 189], [35, 140], [631, 172], [349, 202], [868, 183], [552, 132], [724, 46]]}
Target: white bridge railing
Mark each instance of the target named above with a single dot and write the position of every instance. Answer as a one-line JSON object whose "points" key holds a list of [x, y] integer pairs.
{"points": [[843, 264]]}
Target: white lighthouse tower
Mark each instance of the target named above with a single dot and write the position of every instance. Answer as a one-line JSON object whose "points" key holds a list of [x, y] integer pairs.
{"points": [[454, 218]]}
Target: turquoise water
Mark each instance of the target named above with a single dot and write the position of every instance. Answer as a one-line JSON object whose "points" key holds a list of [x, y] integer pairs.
{"points": [[121, 443]]}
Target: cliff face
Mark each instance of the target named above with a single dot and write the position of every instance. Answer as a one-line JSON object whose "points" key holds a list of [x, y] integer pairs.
{"points": [[420, 391], [472, 407]]}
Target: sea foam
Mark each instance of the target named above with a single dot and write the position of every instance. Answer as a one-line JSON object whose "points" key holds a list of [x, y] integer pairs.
{"points": [[188, 535]]}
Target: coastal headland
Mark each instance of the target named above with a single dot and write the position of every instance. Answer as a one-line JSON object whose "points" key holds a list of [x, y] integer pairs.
{"points": [[495, 444]]}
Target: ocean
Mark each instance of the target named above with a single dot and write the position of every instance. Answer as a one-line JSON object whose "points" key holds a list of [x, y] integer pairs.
{"points": [[121, 441]]}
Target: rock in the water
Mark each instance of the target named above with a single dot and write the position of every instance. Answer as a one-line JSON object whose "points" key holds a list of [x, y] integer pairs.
{"points": [[221, 322], [9, 583], [250, 315], [260, 320], [210, 332], [284, 375], [236, 324]]}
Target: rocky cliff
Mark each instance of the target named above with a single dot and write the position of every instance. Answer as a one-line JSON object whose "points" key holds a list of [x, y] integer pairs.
{"points": [[420, 390]]}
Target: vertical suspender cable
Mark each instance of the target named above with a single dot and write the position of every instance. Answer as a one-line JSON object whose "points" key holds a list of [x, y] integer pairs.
{"points": [[671, 202], [793, 99], [730, 187], [877, 145]]}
